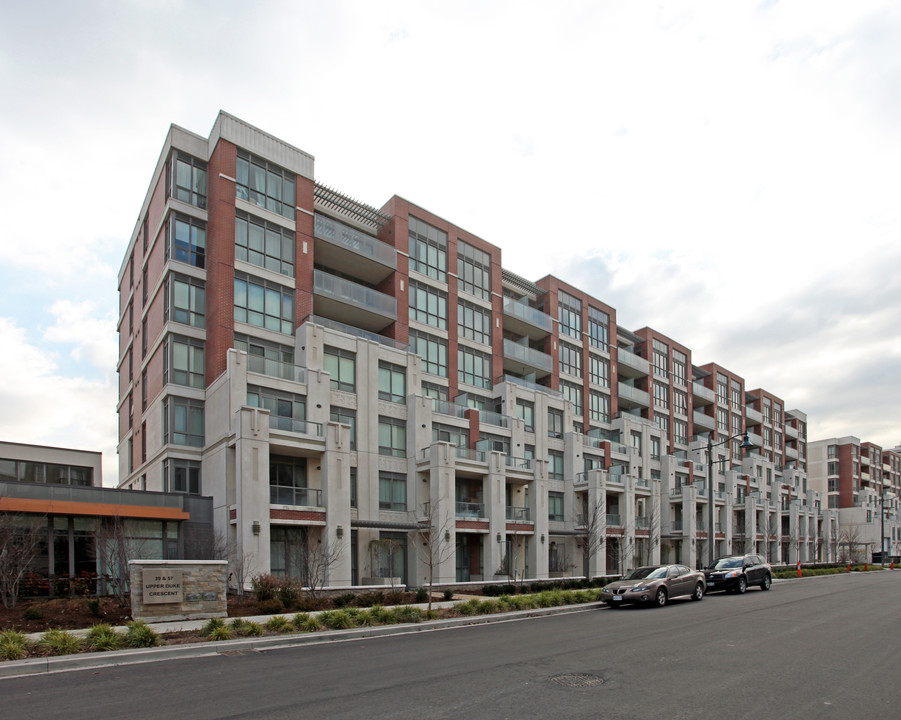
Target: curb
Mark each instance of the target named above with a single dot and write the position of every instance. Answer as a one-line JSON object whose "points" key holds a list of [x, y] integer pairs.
{"points": [[116, 658]]}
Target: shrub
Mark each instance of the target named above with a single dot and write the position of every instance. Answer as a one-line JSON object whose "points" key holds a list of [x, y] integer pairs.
{"points": [[220, 632], [103, 638], [264, 587], [288, 592], [343, 600], [307, 623], [13, 645], [407, 614], [272, 606], [59, 642], [422, 595], [246, 628], [33, 612], [94, 607], [279, 623], [336, 619], [448, 594], [364, 618], [380, 616], [140, 635], [211, 626]]}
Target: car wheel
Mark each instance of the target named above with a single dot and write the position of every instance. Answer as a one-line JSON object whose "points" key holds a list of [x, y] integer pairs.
{"points": [[698, 594], [742, 585], [767, 582], [660, 598]]}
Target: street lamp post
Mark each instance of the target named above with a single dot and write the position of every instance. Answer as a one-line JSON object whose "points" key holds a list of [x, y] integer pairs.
{"points": [[746, 444]]}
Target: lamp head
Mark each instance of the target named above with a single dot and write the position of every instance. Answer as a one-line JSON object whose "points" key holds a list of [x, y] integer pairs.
{"points": [[746, 443]]}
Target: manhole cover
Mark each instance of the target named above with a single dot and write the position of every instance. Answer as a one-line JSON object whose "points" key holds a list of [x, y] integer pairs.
{"points": [[577, 680]]}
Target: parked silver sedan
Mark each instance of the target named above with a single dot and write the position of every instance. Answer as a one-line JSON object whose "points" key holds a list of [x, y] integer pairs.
{"points": [[655, 584]]}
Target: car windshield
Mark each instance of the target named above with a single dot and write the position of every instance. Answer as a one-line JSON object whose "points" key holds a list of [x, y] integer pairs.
{"points": [[643, 572], [726, 563]]}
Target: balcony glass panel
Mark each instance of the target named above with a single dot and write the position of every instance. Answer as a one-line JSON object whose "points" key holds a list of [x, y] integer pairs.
{"points": [[528, 314], [352, 293], [337, 233]]}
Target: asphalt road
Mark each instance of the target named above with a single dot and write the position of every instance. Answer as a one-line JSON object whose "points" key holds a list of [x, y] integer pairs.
{"points": [[819, 648]]}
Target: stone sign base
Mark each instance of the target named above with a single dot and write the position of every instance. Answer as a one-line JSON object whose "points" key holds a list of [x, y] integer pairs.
{"points": [[170, 590]]}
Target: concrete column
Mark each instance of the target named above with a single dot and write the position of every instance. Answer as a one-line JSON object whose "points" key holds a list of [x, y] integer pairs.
{"points": [[494, 496], [335, 464]]}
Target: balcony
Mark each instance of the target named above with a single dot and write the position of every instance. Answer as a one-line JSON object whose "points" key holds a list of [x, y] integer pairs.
{"points": [[519, 514], [642, 523], [753, 417], [524, 360], [522, 319], [702, 421], [527, 384], [352, 303], [276, 369], [355, 253], [303, 497], [677, 525], [300, 427], [443, 407], [614, 520], [791, 432], [631, 398], [518, 463], [357, 332], [631, 365], [470, 510], [702, 395]]}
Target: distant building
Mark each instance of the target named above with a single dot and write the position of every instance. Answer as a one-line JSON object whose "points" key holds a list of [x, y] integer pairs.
{"points": [[341, 376]]}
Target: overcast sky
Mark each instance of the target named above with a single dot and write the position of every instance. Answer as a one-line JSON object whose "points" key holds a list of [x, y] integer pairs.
{"points": [[724, 172]]}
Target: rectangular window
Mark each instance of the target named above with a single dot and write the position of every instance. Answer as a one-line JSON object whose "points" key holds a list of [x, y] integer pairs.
{"points": [[680, 402], [555, 464], [554, 423], [265, 185], [661, 358], [598, 328], [680, 367], [267, 358], [662, 421], [569, 314], [598, 407], [473, 367], [456, 436], [722, 389], [392, 491], [428, 305], [143, 391], [525, 411], [570, 358], [655, 448], [432, 350], [573, 393], [473, 270], [599, 370], [636, 440], [736, 395], [555, 506], [181, 476], [392, 383], [287, 411], [428, 249], [342, 366], [288, 482], [183, 363], [722, 420], [392, 437], [661, 395], [264, 244], [189, 244], [182, 422], [680, 432], [473, 322], [434, 391], [346, 417], [264, 304], [189, 180]]}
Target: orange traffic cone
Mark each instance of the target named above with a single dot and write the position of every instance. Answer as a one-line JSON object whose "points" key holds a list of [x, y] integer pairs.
{"points": [[799, 568], [849, 566], [866, 566]]}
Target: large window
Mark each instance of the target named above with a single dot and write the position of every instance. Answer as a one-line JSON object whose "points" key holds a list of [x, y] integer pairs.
{"points": [[181, 476], [434, 391], [473, 367], [525, 411], [185, 301], [287, 411], [264, 304], [450, 434], [428, 305], [342, 366], [569, 314], [599, 370], [428, 249], [661, 395], [598, 328], [598, 407], [346, 417], [432, 350], [392, 383], [573, 393], [555, 506], [680, 432], [555, 464], [265, 185], [189, 180], [680, 367], [288, 482], [570, 359], [392, 437], [183, 362], [182, 422], [473, 270], [264, 244], [554, 423], [39, 472], [473, 322], [267, 358], [188, 243], [392, 491], [680, 402], [661, 358]]}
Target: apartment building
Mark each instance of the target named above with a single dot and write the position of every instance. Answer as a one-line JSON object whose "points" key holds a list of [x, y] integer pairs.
{"points": [[863, 481], [368, 390]]}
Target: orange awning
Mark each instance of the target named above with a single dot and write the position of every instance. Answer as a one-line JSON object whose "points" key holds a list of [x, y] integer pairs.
{"points": [[69, 507]]}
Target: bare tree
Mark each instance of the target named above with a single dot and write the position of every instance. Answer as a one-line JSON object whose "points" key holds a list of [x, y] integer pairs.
{"points": [[650, 520], [591, 528], [313, 558], [383, 547], [114, 549], [20, 540], [436, 547], [848, 540], [771, 533]]}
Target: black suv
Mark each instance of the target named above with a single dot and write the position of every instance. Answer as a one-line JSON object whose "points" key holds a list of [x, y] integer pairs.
{"points": [[736, 573]]}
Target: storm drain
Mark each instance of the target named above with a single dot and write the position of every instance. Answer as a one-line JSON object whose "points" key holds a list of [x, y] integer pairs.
{"points": [[577, 680]]}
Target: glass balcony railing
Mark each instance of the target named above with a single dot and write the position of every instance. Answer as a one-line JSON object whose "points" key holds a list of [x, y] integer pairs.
{"points": [[614, 520], [276, 369], [519, 514], [354, 294], [633, 361], [467, 454], [305, 497], [528, 356], [525, 383], [337, 233], [301, 427], [356, 332], [533, 316], [642, 523], [470, 510]]}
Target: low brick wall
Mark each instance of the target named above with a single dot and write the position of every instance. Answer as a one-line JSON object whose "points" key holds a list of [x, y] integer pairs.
{"points": [[178, 589]]}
